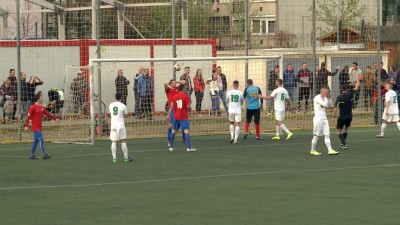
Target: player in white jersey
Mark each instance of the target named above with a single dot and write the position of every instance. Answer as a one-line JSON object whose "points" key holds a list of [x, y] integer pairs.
{"points": [[280, 96], [118, 113], [321, 125], [235, 100], [391, 112]]}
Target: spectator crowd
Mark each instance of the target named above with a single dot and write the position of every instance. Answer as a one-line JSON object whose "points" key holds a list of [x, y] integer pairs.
{"points": [[299, 84]]}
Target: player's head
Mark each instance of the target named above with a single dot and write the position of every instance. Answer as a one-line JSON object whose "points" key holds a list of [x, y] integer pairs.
{"points": [[324, 92], [389, 85], [343, 88], [118, 96], [279, 82], [235, 84], [181, 87], [38, 97], [249, 82]]}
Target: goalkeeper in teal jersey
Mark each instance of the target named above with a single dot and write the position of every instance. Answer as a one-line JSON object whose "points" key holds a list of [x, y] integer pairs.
{"points": [[253, 108]]}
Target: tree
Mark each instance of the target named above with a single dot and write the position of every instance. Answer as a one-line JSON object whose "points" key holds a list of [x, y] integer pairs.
{"points": [[390, 8], [351, 12]]}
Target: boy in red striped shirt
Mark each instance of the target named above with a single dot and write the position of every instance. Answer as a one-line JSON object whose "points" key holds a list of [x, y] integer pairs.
{"points": [[35, 114]]}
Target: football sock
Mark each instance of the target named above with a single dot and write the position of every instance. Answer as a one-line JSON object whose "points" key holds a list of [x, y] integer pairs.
{"points": [[183, 136], [169, 133], [314, 142], [114, 150], [383, 129], [345, 135], [237, 132], [172, 139], [398, 125], [187, 138], [124, 150], [232, 130], [342, 140], [257, 130], [328, 142], [284, 128], [41, 145], [246, 127], [34, 146], [277, 130]]}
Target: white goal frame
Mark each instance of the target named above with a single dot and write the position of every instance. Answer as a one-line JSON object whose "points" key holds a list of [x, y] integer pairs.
{"points": [[93, 62]]}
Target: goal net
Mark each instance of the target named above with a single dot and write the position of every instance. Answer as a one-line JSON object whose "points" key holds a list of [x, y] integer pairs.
{"points": [[146, 98]]}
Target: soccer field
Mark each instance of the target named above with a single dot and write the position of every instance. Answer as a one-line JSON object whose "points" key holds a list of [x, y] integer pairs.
{"points": [[254, 182]]}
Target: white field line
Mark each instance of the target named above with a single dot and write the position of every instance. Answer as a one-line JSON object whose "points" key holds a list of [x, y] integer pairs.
{"points": [[200, 177]]}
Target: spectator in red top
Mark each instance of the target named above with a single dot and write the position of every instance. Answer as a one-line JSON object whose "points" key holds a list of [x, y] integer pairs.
{"points": [[199, 87], [180, 104], [35, 114]]}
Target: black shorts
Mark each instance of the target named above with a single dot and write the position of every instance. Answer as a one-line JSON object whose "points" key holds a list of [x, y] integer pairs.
{"points": [[253, 112], [343, 121]]}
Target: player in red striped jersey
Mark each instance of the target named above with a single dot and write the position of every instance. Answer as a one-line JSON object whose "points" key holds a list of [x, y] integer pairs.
{"points": [[180, 105], [36, 112], [171, 89]]}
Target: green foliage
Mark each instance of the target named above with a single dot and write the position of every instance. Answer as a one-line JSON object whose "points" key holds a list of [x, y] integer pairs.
{"points": [[351, 12], [390, 8]]}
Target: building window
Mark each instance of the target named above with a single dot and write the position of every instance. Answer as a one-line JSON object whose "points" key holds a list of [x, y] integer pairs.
{"points": [[271, 27], [263, 25], [256, 26], [238, 25]]}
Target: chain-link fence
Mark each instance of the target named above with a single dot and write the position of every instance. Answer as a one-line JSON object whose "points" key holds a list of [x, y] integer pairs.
{"points": [[329, 41]]}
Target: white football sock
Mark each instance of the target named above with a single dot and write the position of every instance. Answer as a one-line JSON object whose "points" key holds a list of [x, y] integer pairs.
{"points": [[237, 132], [114, 150], [314, 142], [284, 128], [277, 130], [398, 125], [124, 150], [232, 130], [328, 142], [383, 127]]}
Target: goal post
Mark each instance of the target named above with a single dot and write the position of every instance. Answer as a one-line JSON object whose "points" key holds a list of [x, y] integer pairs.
{"points": [[161, 71]]}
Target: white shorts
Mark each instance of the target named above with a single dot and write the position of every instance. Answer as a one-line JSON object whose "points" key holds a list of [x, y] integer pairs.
{"points": [[321, 127], [392, 118], [280, 115], [235, 117], [117, 134]]}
